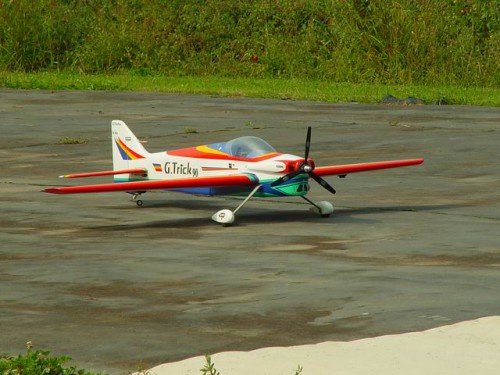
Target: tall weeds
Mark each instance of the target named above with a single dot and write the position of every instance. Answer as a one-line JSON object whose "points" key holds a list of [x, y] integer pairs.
{"points": [[383, 41]]}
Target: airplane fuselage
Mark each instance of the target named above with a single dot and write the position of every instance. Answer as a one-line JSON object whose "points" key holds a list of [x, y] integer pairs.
{"points": [[163, 166]]}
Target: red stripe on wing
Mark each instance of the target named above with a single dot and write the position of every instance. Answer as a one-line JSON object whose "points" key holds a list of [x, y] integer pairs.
{"points": [[235, 180], [364, 167], [107, 173]]}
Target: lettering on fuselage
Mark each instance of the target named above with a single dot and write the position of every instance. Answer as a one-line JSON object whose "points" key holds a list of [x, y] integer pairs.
{"points": [[173, 167]]}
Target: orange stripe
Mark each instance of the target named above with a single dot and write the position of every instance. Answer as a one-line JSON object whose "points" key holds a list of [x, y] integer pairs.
{"points": [[131, 154]]}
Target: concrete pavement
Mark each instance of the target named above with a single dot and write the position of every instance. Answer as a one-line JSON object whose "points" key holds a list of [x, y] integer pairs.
{"points": [[117, 287]]}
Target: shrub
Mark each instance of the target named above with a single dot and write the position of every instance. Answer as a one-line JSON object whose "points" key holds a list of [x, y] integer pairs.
{"points": [[37, 362]]}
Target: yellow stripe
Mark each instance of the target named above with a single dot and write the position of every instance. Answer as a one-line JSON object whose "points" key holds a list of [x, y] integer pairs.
{"points": [[126, 150], [209, 150]]}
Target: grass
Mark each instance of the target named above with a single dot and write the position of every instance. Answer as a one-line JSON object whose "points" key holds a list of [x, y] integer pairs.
{"points": [[209, 368], [190, 130], [404, 42], [271, 88], [39, 362], [73, 141], [319, 50]]}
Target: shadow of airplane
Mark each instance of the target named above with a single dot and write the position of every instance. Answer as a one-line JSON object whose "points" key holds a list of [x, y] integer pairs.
{"points": [[261, 215]]}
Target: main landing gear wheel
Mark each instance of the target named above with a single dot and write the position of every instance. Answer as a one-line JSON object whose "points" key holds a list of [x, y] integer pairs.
{"points": [[224, 217], [324, 208]]}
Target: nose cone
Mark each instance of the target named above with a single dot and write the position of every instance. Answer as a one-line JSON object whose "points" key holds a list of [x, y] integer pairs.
{"points": [[306, 166]]}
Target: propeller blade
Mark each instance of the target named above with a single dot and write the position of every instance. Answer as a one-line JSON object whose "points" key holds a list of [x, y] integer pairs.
{"points": [[322, 182], [308, 143], [284, 178]]}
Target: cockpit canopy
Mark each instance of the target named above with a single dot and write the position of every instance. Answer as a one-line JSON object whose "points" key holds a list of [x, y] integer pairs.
{"points": [[244, 147]]}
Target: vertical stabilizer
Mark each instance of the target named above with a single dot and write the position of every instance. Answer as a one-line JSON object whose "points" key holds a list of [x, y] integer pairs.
{"points": [[126, 146]]}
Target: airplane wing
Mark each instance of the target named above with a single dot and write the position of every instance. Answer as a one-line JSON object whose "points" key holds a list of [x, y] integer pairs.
{"points": [[141, 171], [218, 181], [342, 170]]}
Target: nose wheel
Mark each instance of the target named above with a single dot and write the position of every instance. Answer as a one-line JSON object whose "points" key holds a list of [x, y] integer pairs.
{"points": [[323, 208]]}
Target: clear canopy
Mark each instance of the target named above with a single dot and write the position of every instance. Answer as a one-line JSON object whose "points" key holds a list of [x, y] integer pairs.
{"points": [[244, 147]]}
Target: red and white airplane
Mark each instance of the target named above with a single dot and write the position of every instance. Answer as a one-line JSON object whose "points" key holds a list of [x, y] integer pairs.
{"points": [[246, 166]]}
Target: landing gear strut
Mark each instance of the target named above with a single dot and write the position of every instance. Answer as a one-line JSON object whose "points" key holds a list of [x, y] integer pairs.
{"points": [[226, 217]]}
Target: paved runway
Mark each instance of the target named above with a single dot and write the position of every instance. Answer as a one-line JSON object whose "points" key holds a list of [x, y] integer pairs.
{"points": [[117, 287]]}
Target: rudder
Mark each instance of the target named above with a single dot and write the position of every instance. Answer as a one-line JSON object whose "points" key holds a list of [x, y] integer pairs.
{"points": [[126, 146]]}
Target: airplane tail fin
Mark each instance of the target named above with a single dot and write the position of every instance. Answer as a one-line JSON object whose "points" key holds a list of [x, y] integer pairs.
{"points": [[126, 146]]}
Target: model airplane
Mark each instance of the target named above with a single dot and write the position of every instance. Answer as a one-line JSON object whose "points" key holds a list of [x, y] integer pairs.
{"points": [[246, 166]]}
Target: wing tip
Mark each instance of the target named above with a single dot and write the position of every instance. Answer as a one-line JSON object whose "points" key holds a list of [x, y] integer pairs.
{"points": [[52, 191], [417, 161]]}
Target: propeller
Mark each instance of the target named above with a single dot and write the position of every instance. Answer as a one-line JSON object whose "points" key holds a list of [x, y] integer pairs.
{"points": [[305, 168]]}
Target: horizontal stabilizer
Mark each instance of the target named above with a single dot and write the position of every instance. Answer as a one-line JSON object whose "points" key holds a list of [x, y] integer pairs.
{"points": [[141, 171], [364, 167], [234, 180]]}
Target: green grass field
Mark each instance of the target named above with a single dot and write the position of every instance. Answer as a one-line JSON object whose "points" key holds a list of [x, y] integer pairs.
{"points": [[287, 89], [326, 50]]}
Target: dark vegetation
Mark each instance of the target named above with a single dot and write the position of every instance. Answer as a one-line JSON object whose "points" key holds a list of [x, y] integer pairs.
{"points": [[429, 42], [38, 362]]}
